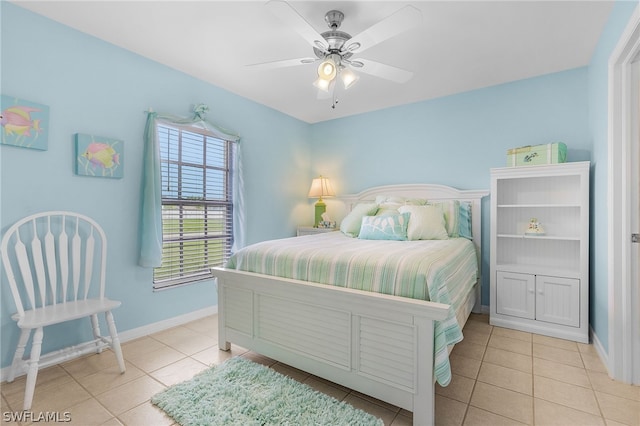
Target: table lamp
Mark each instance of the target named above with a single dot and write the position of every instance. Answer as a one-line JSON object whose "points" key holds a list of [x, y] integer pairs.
{"points": [[320, 187]]}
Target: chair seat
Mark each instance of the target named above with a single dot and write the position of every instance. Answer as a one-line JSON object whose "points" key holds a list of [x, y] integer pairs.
{"points": [[61, 312]]}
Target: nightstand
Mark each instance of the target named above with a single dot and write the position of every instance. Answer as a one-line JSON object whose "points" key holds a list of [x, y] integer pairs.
{"points": [[309, 230]]}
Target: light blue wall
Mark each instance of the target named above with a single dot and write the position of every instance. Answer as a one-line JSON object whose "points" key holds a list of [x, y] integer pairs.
{"points": [[94, 87], [598, 119], [455, 140]]}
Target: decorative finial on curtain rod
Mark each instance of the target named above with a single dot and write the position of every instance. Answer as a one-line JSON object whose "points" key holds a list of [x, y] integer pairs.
{"points": [[200, 110]]}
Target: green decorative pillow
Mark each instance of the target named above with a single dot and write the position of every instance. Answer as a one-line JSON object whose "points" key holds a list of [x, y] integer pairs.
{"points": [[351, 223], [425, 223], [391, 227], [451, 211]]}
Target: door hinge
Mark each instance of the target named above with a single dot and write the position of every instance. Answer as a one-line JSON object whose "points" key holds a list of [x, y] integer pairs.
{"points": [[635, 238]]}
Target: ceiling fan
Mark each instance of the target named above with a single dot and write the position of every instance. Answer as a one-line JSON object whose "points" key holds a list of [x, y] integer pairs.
{"points": [[336, 49]]}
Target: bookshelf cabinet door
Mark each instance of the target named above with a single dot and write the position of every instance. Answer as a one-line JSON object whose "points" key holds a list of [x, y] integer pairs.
{"points": [[558, 300], [516, 294]]}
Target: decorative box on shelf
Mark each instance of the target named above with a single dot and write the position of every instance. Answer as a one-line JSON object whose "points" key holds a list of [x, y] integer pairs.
{"points": [[309, 230], [550, 153]]}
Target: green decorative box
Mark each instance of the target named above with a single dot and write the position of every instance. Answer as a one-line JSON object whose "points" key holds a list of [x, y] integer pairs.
{"points": [[537, 154]]}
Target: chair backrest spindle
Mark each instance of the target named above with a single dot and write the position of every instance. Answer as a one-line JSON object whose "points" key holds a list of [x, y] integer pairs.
{"points": [[88, 262], [38, 264], [25, 270], [50, 254], [75, 256], [63, 252]]}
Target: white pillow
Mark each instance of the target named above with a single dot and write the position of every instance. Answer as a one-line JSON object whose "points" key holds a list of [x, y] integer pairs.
{"points": [[350, 225], [425, 223]]}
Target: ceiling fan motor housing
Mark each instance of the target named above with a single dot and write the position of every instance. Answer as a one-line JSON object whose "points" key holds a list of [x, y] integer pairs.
{"points": [[334, 18], [335, 39]]}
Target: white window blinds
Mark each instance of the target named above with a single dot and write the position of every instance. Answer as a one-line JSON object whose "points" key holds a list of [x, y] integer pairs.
{"points": [[197, 205]]}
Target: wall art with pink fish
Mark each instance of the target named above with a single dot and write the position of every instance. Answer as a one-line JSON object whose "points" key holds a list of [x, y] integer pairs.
{"points": [[99, 156], [24, 123]]}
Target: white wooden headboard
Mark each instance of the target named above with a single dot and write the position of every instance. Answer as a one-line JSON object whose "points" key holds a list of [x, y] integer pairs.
{"points": [[431, 192]]}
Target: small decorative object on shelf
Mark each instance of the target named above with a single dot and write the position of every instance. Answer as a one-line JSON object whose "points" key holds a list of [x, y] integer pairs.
{"points": [[534, 228]]}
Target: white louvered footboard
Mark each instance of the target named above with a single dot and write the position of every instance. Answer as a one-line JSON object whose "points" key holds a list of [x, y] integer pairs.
{"points": [[376, 344]]}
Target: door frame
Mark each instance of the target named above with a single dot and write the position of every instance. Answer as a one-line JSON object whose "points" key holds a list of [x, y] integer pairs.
{"points": [[623, 308]]}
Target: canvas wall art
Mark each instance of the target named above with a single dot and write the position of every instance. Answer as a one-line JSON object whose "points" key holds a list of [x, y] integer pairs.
{"points": [[99, 156], [24, 123]]}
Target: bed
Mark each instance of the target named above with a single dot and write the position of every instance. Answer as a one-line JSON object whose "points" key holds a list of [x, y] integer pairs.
{"points": [[392, 345]]}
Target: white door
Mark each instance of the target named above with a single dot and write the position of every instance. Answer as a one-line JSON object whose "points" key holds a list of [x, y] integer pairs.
{"points": [[515, 294], [558, 300], [635, 214], [623, 356]]}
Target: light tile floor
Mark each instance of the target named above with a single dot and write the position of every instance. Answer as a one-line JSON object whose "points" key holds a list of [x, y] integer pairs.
{"points": [[500, 377]]}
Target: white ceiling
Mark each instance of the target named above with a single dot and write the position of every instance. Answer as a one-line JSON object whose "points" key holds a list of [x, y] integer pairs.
{"points": [[460, 45]]}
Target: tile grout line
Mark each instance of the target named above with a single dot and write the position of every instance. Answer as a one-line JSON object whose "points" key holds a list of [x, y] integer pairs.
{"points": [[593, 389], [92, 396], [475, 382]]}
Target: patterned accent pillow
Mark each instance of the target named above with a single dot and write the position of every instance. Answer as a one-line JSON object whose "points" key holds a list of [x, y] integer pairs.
{"points": [[425, 223], [391, 227]]}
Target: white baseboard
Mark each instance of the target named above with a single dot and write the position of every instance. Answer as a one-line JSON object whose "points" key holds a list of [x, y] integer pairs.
{"points": [[484, 309], [604, 357], [155, 327], [148, 329]]}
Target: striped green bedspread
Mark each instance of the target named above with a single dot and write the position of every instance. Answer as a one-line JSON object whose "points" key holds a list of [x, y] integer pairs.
{"points": [[438, 270]]}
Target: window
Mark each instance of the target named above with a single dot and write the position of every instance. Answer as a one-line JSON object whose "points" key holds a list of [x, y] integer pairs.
{"points": [[197, 207]]}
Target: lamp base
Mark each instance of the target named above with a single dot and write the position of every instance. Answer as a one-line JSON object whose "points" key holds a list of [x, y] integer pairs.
{"points": [[321, 207]]}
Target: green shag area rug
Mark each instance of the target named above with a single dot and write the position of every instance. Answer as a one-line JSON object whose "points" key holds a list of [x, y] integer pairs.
{"points": [[241, 392]]}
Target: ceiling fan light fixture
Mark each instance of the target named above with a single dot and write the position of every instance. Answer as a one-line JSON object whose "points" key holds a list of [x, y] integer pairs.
{"points": [[322, 84], [348, 77], [327, 70]]}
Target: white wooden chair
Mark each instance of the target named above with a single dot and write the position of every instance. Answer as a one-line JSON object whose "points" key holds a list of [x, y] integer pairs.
{"points": [[50, 259]]}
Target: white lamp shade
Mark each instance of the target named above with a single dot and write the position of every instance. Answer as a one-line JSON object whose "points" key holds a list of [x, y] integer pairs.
{"points": [[321, 187], [348, 78], [322, 84], [327, 70]]}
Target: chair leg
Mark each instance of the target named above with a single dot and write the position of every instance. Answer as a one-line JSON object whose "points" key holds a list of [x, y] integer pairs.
{"points": [[32, 373], [17, 357], [115, 340], [96, 332]]}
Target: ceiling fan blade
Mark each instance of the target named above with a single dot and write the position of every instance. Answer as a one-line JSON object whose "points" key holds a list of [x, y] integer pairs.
{"points": [[293, 19], [282, 64], [403, 20], [387, 72]]}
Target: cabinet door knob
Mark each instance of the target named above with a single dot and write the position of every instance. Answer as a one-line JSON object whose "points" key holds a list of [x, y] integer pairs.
{"points": [[531, 290]]}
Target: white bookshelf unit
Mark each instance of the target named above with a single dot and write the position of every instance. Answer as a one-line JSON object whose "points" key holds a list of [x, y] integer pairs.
{"points": [[540, 283]]}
